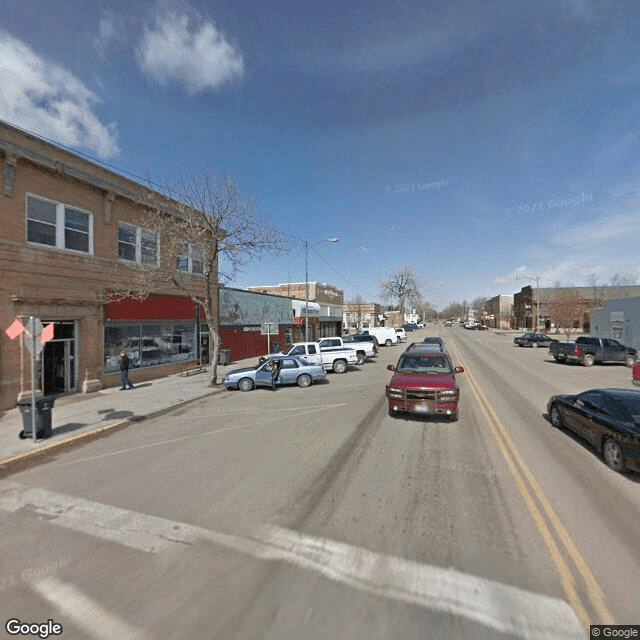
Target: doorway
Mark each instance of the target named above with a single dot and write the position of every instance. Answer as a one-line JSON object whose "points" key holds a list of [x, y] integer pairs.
{"points": [[59, 360]]}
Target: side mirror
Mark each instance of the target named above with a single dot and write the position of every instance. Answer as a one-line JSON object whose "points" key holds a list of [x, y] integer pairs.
{"points": [[458, 370], [391, 367]]}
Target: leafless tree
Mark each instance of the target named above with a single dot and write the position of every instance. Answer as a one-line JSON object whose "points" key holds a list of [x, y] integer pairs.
{"points": [[357, 311], [403, 286], [208, 231], [566, 307]]}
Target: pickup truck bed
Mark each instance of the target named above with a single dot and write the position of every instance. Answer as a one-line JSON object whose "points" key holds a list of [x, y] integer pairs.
{"points": [[589, 351]]}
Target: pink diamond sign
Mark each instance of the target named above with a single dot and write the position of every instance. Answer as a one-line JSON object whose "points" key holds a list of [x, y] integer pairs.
{"points": [[14, 329]]}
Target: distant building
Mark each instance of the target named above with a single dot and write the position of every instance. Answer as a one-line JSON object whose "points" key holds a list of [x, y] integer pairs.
{"points": [[549, 299], [323, 319], [618, 319], [499, 311], [358, 316]]}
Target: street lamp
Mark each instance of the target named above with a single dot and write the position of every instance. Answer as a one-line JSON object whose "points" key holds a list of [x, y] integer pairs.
{"points": [[307, 246], [537, 281]]}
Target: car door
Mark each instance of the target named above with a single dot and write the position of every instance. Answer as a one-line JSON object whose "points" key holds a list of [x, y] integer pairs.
{"points": [[263, 375], [590, 411], [614, 351], [289, 371]]}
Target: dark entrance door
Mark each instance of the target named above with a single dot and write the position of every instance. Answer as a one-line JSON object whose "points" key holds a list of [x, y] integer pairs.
{"points": [[59, 361]]}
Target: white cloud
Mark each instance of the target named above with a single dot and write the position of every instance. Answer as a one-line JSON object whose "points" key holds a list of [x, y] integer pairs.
{"points": [[109, 31], [46, 99], [173, 50]]}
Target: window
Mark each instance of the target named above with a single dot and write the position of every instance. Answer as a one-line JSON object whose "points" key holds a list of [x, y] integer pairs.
{"points": [[189, 259], [58, 225], [137, 245]]}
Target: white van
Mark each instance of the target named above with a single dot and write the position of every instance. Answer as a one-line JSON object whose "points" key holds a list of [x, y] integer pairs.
{"points": [[386, 335]]}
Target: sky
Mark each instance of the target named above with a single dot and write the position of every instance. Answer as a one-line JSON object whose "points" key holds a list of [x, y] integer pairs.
{"points": [[474, 141]]}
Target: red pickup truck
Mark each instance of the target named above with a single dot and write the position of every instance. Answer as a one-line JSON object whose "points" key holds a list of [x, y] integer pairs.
{"points": [[425, 384]]}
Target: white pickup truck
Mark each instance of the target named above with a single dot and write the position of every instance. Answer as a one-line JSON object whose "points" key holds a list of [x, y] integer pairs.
{"points": [[334, 359], [363, 350]]}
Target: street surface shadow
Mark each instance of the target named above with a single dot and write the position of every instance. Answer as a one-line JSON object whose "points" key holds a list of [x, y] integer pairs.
{"points": [[117, 415]]}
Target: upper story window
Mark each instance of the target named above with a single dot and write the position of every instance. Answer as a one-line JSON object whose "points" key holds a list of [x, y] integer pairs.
{"points": [[189, 258], [58, 225], [138, 245]]}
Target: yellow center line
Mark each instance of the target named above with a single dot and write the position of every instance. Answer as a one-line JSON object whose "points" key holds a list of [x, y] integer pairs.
{"points": [[518, 468]]}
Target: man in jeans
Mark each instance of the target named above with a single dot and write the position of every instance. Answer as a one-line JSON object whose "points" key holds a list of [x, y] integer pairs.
{"points": [[124, 371]]}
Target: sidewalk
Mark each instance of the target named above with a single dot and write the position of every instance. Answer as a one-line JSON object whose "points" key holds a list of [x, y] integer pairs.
{"points": [[85, 416]]}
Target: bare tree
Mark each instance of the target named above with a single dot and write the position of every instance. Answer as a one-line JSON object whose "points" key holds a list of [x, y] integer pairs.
{"points": [[403, 286], [200, 221], [357, 311], [566, 309]]}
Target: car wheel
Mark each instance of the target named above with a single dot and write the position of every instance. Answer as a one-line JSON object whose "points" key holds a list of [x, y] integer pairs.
{"points": [[21, 435], [629, 361], [612, 453], [339, 366], [387, 342], [246, 384], [361, 357], [556, 416], [453, 417], [304, 380], [588, 360]]}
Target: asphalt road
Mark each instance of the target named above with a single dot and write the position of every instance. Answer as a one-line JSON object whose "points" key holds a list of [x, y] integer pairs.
{"points": [[311, 513]]}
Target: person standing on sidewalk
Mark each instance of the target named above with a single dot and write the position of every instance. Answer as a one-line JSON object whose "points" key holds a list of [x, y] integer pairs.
{"points": [[124, 371]]}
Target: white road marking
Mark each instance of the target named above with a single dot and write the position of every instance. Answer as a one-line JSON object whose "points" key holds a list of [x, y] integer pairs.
{"points": [[498, 606], [86, 614]]}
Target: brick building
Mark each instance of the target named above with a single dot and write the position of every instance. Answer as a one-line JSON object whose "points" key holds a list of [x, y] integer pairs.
{"points": [[69, 230]]}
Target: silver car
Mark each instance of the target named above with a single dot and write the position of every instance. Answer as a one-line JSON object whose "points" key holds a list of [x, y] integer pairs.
{"points": [[294, 370]]}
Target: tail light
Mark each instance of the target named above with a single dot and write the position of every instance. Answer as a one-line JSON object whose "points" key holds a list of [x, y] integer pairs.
{"points": [[577, 351]]}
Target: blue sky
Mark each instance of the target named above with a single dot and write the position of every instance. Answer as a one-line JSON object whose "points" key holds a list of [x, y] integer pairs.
{"points": [[473, 141]]}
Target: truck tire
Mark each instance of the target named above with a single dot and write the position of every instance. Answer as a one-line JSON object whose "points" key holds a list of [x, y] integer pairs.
{"points": [[340, 366], [588, 360], [362, 357], [387, 342], [629, 361], [559, 358]]}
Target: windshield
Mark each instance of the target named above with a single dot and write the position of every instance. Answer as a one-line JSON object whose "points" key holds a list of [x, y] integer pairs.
{"points": [[428, 364]]}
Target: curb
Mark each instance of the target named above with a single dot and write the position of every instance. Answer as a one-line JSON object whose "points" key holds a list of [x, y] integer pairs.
{"points": [[45, 449]]}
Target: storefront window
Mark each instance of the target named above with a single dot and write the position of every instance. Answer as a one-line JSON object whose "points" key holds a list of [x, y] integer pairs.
{"points": [[148, 344]]}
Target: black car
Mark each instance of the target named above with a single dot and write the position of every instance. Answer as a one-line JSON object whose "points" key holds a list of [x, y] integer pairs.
{"points": [[533, 340], [434, 340], [363, 338], [410, 326], [607, 418]]}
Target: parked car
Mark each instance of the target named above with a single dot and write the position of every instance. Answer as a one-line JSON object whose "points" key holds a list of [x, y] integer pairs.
{"points": [[385, 335], [434, 340], [533, 340], [424, 384], [294, 371], [372, 340], [609, 419], [410, 326], [336, 359], [402, 334], [363, 350], [588, 351]]}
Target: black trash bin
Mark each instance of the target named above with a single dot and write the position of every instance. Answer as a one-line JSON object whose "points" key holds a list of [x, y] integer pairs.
{"points": [[223, 356], [44, 405]]}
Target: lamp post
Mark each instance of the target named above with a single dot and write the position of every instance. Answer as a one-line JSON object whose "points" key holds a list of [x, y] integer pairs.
{"points": [[307, 246], [537, 281]]}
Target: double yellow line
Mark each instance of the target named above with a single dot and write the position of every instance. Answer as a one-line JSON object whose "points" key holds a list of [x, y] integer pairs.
{"points": [[539, 506]]}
